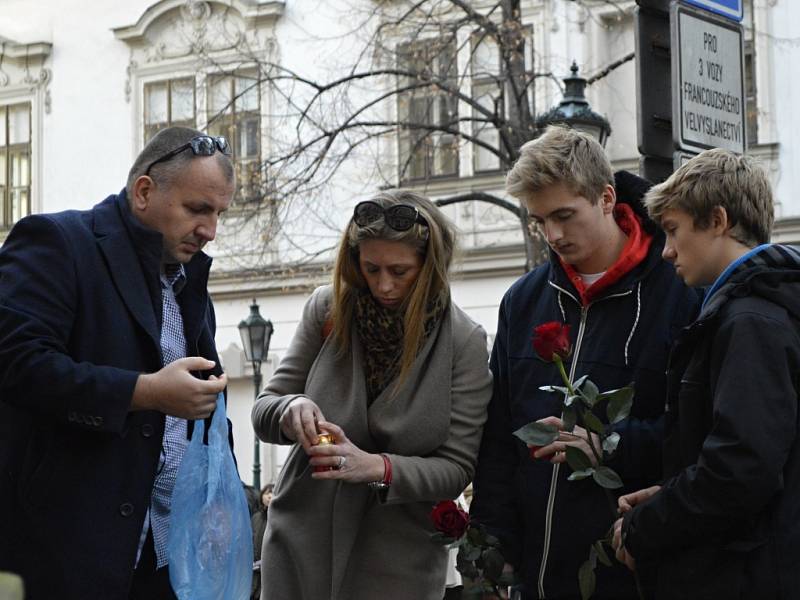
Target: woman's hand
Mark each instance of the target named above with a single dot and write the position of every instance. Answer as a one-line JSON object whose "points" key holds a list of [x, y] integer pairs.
{"points": [[350, 462], [299, 422]]}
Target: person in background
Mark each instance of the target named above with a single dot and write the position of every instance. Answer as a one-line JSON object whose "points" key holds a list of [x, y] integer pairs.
{"points": [[106, 355], [253, 498], [724, 523], [624, 305], [258, 519], [395, 375]]}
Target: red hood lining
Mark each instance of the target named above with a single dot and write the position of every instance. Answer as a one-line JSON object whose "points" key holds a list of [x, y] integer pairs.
{"points": [[633, 253]]}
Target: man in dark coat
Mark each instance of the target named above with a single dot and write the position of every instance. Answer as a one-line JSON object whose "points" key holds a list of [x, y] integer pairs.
{"points": [[606, 280], [106, 351], [725, 523]]}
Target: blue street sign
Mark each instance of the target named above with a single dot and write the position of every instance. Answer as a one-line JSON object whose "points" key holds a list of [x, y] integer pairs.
{"points": [[727, 8]]}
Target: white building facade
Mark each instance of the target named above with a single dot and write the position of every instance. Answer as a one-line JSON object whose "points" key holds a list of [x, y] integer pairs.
{"points": [[83, 85]]}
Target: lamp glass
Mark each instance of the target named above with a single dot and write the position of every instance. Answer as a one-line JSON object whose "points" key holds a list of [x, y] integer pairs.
{"points": [[596, 131], [255, 333]]}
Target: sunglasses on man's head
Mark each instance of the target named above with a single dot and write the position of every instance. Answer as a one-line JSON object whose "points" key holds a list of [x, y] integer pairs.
{"points": [[202, 145], [400, 217]]}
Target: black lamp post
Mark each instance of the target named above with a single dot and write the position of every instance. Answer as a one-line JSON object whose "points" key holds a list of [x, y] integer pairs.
{"points": [[256, 334], [574, 111]]}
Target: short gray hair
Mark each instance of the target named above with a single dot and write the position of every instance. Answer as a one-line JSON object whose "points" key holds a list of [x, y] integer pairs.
{"points": [[164, 173]]}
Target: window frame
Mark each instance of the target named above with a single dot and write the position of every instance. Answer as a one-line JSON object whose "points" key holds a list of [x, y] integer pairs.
{"points": [[230, 119], [170, 82], [418, 138], [172, 40], [7, 218], [25, 79], [750, 69], [485, 80], [203, 114]]}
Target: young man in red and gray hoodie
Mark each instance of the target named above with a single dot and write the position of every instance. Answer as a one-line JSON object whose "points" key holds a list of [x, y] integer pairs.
{"points": [[624, 305]]}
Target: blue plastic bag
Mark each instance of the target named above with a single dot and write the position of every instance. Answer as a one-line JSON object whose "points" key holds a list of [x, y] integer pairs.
{"points": [[210, 545]]}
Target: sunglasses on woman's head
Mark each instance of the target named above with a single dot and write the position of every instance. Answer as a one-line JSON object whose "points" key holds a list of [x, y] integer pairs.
{"points": [[202, 145], [400, 217]]}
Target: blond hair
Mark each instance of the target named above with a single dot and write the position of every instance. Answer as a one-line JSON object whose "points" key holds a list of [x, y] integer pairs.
{"points": [[714, 178], [561, 155], [434, 242]]}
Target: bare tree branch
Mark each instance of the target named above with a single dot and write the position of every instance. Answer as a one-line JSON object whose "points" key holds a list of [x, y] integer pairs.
{"points": [[614, 65], [418, 91], [481, 197]]}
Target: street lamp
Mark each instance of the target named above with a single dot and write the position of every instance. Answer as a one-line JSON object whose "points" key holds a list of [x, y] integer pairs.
{"points": [[574, 111], [256, 334]]}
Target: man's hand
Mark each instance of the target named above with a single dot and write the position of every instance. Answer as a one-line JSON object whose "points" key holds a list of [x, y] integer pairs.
{"points": [[556, 450], [622, 554], [299, 422], [626, 503], [503, 590], [174, 391]]}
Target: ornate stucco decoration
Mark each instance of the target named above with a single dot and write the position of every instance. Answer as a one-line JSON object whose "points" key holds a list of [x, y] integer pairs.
{"points": [[22, 67], [200, 32]]}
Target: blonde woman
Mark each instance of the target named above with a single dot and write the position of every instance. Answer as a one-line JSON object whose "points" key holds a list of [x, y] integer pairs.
{"points": [[397, 374]]}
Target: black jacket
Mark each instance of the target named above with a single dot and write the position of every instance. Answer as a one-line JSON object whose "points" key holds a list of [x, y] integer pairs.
{"points": [[80, 312], [727, 522], [623, 337]]}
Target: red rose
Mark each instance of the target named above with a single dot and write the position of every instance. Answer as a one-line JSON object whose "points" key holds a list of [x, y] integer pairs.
{"points": [[550, 339], [448, 518]]}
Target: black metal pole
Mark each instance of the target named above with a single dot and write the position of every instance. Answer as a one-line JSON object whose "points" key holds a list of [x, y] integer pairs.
{"points": [[654, 89], [256, 442]]}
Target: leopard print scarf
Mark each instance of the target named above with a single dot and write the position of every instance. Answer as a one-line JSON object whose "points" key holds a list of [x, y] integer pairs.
{"points": [[381, 332]]}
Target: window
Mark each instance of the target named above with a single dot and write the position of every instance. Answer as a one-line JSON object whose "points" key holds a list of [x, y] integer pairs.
{"points": [[234, 112], [487, 90], [15, 163], [182, 70], [751, 104], [424, 152], [166, 103]]}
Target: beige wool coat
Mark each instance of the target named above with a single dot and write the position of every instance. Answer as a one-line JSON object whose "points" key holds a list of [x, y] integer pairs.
{"points": [[331, 540]]}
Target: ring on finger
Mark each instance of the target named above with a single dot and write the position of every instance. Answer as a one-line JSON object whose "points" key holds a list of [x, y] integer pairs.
{"points": [[342, 461]]}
